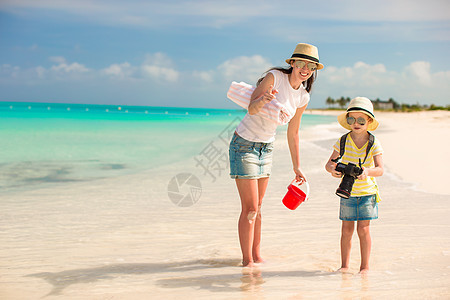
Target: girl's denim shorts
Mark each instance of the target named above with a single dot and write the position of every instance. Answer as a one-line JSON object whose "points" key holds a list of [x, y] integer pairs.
{"points": [[249, 160], [359, 208]]}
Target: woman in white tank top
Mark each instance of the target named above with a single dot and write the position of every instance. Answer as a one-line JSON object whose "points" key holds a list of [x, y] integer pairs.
{"points": [[252, 144]]}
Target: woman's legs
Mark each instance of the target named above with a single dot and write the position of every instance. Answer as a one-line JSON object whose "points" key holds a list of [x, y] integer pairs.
{"points": [[346, 243], [365, 242], [256, 250], [251, 192]]}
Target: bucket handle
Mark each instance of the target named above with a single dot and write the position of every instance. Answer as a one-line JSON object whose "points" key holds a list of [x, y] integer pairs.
{"points": [[307, 187]]}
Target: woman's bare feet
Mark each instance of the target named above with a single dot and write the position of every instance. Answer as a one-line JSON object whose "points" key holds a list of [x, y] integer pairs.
{"points": [[343, 270], [364, 271]]}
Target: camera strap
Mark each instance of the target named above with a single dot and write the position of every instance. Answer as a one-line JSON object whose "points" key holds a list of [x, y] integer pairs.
{"points": [[344, 139]]}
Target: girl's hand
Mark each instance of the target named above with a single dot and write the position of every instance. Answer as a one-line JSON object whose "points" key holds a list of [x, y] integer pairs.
{"points": [[364, 174], [333, 172], [299, 175]]}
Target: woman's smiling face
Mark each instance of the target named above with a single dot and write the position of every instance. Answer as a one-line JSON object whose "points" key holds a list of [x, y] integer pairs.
{"points": [[303, 68]]}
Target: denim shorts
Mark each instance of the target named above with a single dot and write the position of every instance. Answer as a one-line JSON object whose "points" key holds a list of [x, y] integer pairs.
{"points": [[359, 208], [250, 160]]}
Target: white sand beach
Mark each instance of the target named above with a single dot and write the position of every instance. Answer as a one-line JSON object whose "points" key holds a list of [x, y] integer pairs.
{"points": [[123, 238]]}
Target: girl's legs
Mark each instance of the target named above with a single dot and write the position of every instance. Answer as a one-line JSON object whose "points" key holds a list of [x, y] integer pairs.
{"points": [[365, 241], [346, 243], [251, 192]]}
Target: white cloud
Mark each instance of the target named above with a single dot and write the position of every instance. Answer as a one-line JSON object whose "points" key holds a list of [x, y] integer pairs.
{"points": [[123, 70], [156, 65], [325, 21], [360, 74], [158, 59], [63, 67], [205, 76], [160, 67], [40, 71], [160, 73], [72, 68], [57, 59], [244, 68], [414, 83], [61, 71], [420, 72], [9, 71], [219, 13]]}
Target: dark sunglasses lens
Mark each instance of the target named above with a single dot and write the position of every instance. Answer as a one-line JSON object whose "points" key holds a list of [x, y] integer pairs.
{"points": [[312, 66], [361, 121], [300, 64], [350, 120]]}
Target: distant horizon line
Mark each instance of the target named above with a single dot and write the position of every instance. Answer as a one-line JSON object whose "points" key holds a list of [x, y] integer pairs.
{"points": [[28, 103]]}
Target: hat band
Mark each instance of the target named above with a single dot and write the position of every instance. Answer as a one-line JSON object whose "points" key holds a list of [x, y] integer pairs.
{"points": [[295, 55], [359, 108]]}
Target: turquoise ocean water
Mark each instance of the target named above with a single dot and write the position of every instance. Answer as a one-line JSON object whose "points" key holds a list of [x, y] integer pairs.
{"points": [[48, 143]]}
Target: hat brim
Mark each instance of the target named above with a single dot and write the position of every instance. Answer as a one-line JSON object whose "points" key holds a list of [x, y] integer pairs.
{"points": [[342, 119], [319, 65]]}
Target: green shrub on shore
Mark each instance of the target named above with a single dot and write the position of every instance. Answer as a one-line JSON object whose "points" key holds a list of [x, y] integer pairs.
{"points": [[390, 105]]}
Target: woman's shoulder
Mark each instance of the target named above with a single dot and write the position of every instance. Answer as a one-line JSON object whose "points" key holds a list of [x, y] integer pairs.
{"points": [[277, 73], [279, 77]]}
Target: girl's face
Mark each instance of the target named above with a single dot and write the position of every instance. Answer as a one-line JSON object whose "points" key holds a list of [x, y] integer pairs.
{"points": [[303, 69], [355, 120]]}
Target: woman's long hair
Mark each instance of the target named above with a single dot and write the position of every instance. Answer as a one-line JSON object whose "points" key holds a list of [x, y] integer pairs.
{"points": [[308, 84]]}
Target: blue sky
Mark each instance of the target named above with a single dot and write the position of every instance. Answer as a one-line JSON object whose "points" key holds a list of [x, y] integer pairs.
{"points": [[186, 53]]}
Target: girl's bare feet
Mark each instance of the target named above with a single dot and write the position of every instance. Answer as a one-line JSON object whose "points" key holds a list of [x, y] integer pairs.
{"points": [[259, 260], [247, 263]]}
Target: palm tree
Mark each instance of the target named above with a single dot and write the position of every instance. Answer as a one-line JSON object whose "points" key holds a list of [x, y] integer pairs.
{"points": [[330, 101], [342, 102]]}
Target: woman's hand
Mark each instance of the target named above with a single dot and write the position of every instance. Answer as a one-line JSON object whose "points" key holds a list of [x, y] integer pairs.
{"points": [[269, 95], [299, 175], [263, 94]]}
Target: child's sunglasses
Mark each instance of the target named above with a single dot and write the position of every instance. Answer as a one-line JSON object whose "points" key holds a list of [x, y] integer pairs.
{"points": [[352, 120], [311, 66]]}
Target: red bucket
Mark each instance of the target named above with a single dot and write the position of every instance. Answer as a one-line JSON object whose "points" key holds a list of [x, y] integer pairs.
{"points": [[295, 196]]}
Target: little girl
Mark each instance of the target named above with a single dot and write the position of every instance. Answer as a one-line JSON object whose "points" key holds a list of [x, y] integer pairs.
{"points": [[362, 205]]}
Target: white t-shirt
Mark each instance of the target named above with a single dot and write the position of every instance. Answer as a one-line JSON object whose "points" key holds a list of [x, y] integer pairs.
{"points": [[255, 128]]}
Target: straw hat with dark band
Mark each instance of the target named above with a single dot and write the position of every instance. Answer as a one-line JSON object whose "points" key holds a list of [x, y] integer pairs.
{"points": [[362, 105], [306, 52]]}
